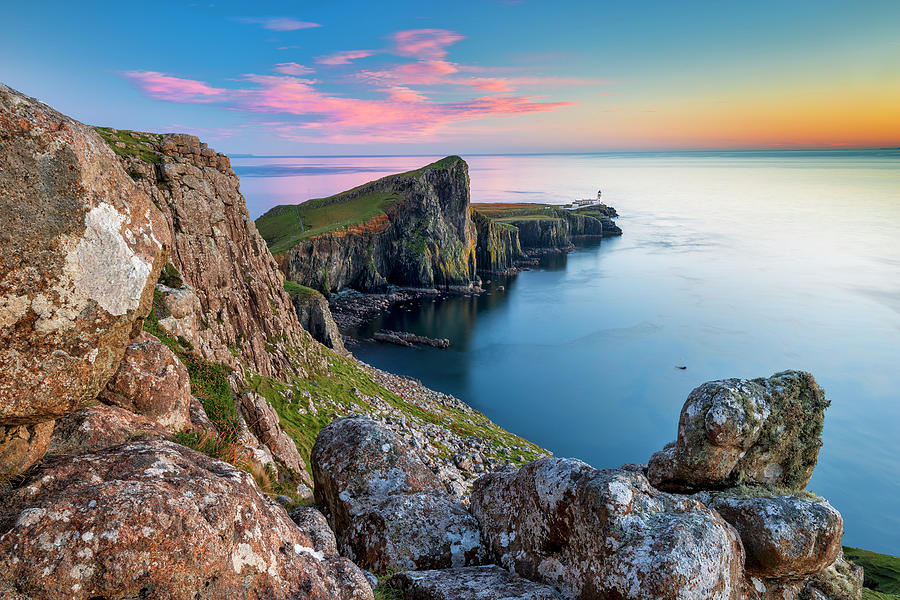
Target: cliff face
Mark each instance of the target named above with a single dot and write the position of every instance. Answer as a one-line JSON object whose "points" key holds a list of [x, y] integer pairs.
{"points": [[245, 317], [498, 247], [423, 237]]}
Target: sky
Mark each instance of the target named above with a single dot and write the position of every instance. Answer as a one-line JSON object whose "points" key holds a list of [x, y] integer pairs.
{"points": [[466, 77]]}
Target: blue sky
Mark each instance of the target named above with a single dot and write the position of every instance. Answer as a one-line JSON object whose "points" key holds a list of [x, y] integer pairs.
{"points": [[485, 76]]}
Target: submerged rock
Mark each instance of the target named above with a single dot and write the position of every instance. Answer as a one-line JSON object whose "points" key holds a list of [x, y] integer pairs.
{"points": [[152, 382], [82, 247], [470, 583], [606, 534], [763, 431], [155, 519], [387, 509]]}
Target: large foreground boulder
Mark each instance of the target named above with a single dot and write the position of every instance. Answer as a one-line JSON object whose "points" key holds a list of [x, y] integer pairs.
{"points": [[157, 520], [470, 583], [785, 537], [152, 382], [732, 431], [386, 507], [82, 247], [606, 534], [101, 426]]}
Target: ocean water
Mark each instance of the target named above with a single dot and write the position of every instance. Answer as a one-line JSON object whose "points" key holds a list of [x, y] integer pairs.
{"points": [[731, 264]]}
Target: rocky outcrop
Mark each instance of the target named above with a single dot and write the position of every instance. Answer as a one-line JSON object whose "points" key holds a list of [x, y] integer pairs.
{"points": [[470, 583], [842, 580], [263, 421], [101, 426], [423, 236], [386, 508], [764, 431], [542, 233], [156, 519], [246, 319], [152, 382], [82, 247], [23, 445], [596, 534], [315, 317]]}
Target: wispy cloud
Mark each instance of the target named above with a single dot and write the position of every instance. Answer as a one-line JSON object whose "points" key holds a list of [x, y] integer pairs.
{"points": [[174, 89], [278, 23], [292, 68], [343, 58], [424, 44]]}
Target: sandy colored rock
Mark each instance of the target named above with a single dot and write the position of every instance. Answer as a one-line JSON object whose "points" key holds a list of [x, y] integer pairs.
{"points": [[842, 580], [82, 247], [151, 381], [470, 583], [101, 426], [764, 431], [23, 445], [606, 534], [158, 516], [784, 536]]}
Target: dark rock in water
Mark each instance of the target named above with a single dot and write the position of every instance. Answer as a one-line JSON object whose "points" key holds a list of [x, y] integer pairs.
{"points": [[157, 516], [764, 431], [470, 583], [315, 316], [386, 507], [606, 534], [402, 338]]}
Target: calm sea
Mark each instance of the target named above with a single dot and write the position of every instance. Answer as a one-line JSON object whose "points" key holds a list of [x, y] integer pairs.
{"points": [[732, 264]]}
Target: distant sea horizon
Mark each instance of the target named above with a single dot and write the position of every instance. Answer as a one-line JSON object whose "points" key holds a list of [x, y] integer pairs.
{"points": [[732, 263]]}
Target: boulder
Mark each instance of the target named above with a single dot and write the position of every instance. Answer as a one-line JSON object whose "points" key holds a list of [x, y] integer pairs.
{"points": [[82, 247], [314, 523], [22, 445], [842, 580], [606, 534], [764, 431], [425, 530], [151, 381], [200, 421], [101, 426], [784, 536], [155, 519], [356, 457], [183, 313], [469, 583], [263, 421], [386, 507]]}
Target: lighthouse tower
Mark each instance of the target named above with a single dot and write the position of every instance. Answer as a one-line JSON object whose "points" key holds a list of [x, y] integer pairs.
{"points": [[599, 193]]}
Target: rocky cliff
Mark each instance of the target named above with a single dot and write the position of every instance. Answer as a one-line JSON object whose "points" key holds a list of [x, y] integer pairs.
{"points": [[499, 249], [411, 229]]}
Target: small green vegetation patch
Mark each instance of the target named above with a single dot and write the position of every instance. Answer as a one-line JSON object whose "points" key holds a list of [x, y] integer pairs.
{"points": [[131, 143], [295, 289], [882, 572], [284, 226]]}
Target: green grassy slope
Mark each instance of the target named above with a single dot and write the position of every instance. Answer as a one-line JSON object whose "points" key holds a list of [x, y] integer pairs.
{"points": [[882, 579], [288, 224]]}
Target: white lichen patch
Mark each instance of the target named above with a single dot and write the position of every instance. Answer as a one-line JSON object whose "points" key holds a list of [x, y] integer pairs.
{"points": [[244, 556]]}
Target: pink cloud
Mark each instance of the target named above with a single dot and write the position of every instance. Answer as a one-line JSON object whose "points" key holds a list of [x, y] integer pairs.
{"points": [[424, 44], [291, 68], [343, 58], [279, 23], [175, 89]]}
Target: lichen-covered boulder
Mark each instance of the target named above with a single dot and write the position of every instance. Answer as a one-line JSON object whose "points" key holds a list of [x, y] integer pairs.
{"points": [[263, 421], [470, 583], [606, 534], [356, 457], [314, 523], [425, 530], [764, 431], [22, 445], [101, 426], [386, 507], [842, 580], [200, 421], [151, 381], [785, 537], [82, 247], [155, 519]]}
